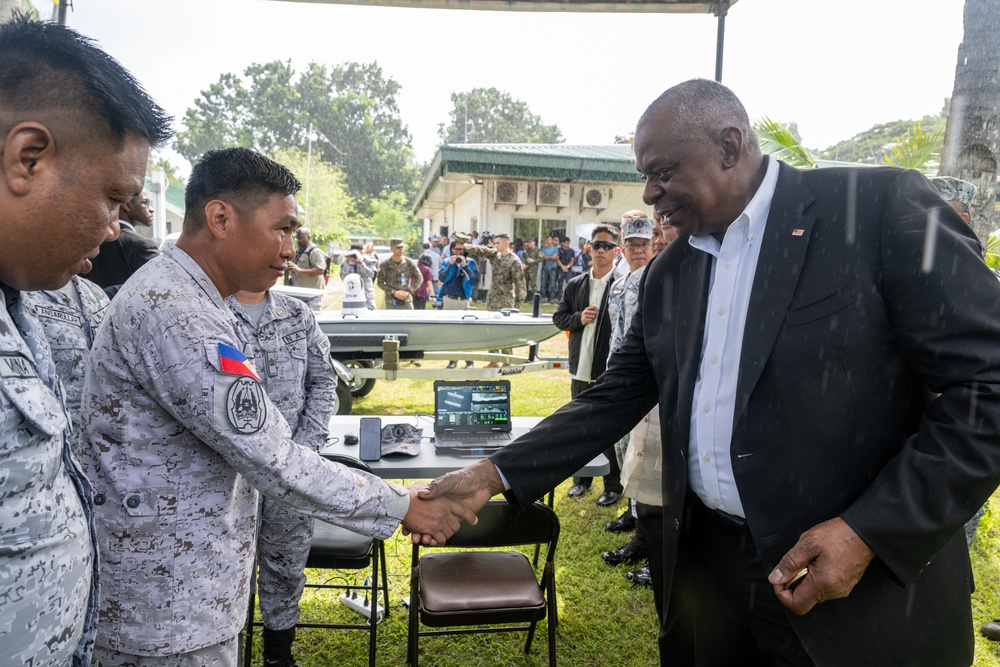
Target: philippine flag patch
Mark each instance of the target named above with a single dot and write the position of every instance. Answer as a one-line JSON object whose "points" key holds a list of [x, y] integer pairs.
{"points": [[234, 362]]}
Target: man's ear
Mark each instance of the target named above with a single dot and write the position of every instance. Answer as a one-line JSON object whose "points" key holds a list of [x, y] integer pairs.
{"points": [[27, 151], [219, 218], [731, 141]]}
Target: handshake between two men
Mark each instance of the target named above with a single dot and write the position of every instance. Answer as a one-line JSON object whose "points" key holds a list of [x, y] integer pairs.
{"points": [[437, 509]]}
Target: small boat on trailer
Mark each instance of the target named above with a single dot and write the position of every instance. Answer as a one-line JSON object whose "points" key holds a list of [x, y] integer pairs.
{"points": [[359, 334]]}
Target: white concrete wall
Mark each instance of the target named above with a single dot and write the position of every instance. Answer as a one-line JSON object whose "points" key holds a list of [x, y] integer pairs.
{"points": [[478, 204]]}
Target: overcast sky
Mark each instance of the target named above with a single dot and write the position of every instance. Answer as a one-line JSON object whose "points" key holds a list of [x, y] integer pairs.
{"points": [[834, 67]]}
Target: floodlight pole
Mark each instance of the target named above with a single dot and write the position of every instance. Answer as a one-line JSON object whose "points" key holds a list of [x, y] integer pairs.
{"points": [[720, 10], [309, 160]]}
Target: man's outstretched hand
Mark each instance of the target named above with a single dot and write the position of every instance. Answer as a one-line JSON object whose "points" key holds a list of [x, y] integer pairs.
{"points": [[434, 520], [835, 557], [470, 488]]}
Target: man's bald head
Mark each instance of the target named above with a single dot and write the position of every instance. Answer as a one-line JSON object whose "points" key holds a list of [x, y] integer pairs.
{"points": [[700, 158], [705, 108]]}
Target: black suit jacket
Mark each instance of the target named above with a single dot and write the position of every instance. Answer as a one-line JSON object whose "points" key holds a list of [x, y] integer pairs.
{"points": [[120, 258], [858, 315], [576, 298]]}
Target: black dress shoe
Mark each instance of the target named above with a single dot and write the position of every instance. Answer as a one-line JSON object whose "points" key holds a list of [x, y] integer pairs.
{"points": [[609, 498], [633, 552], [991, 630], [640, 577], [577, 490], [623, 524]]}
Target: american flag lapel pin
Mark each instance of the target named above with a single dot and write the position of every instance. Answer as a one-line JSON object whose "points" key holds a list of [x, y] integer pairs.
{"points": [[798, 232]]}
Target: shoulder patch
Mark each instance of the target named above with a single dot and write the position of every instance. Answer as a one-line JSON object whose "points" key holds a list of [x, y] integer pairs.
{"points": [[234, 362], [246, 407]]}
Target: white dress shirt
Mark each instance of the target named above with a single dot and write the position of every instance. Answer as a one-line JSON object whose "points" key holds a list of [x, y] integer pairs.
{"points": [[585, 365], [710, 468]]}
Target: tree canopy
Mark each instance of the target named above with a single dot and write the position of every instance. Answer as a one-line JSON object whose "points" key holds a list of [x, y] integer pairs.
{"points": [[870, 146], [351, 110], [491, 116]]}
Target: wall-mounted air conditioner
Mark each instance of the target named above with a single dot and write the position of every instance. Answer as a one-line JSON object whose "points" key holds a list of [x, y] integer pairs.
{"points": [[552, 194], [511, 192], [594, 198]]}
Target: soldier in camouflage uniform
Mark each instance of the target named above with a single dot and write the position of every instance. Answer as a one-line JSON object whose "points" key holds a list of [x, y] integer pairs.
{"points": [[507, 290], [532, 261], [292, 357], [180, 436], [73, 150], [70, 317], [398, 277]]}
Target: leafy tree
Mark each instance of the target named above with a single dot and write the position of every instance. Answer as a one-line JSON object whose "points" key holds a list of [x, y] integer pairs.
{"points": [[388, 217], [491, 116], [869, 146], [782, 141], [328, 208], [351, 109]]}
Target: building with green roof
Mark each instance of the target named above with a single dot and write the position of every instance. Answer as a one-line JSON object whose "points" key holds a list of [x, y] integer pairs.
{"points": [[527, 190]]}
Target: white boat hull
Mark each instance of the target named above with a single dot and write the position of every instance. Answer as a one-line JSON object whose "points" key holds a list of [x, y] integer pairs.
{"points": [[361, 335]]}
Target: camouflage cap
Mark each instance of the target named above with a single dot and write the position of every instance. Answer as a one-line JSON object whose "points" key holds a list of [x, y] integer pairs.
{"points": [[464, 238], [954, 189], [641, 228], [397, 243]]}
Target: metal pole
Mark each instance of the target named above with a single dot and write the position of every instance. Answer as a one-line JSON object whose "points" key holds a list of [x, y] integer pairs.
{"points": [[721, 9], [309, 159], [62, 11]]}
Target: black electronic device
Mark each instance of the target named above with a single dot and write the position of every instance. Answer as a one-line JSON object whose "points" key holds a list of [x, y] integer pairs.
{"points": [[370, 439], [350, 438]]}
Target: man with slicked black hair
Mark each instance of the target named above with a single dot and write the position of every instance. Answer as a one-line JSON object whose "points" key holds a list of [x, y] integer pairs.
{"points": [[75, 131]]}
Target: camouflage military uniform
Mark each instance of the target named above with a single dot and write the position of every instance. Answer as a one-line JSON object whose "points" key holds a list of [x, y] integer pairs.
{"points": [[48, 583], [402, 275], [70, 317], [531, 271], [507, 289], [292, 357], [178, 439]]}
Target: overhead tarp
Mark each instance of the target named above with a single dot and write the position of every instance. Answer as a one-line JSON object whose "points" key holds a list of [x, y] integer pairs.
{"points": [[716, 7]]}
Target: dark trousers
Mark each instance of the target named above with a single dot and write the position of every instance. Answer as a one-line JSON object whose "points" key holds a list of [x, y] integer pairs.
{"points": [[649, 520], [612, 481], [722, 610]]}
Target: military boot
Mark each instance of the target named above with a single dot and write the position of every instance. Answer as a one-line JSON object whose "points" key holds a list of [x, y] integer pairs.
{"points": [[278, 648]]}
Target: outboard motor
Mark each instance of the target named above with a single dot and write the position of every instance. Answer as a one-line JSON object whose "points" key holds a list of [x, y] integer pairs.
{"points": [[354, 295]]}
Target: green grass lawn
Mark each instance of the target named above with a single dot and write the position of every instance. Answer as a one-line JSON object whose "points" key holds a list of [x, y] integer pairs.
{"points": [[602, 619]]}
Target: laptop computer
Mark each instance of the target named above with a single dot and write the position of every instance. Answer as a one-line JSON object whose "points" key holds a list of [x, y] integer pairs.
{"points": [[471, 415]]}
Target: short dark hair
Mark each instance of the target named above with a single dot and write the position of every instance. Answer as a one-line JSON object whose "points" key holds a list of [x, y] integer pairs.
{"points": [[47, 66], [605, 229], [502, 235], [241, 177]]}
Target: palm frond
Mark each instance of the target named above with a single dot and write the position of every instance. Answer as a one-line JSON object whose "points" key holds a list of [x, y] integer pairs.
{"points": [[917, 150], [777, 141], [993, 250]]}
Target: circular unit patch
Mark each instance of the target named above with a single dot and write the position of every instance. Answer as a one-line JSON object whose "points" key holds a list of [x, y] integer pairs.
{"points": [[246, 406]]}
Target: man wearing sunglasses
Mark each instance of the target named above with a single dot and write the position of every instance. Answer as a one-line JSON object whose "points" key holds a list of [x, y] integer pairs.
{"points": [[583, 312]]}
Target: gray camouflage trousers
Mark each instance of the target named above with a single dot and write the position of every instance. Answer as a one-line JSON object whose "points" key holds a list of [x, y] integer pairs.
{"points": [[283, 540]]}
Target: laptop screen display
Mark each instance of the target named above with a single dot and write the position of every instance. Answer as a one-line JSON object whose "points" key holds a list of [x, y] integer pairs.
{"points": [[472, 406]]}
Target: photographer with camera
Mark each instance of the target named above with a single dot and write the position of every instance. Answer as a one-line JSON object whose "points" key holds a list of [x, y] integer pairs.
{"points": [[459, 275]]}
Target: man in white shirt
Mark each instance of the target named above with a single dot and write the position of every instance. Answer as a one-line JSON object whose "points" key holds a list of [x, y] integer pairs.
{"points": [[814, 492], [583, 312]]}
